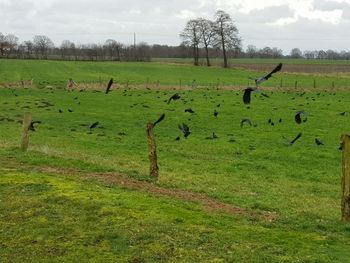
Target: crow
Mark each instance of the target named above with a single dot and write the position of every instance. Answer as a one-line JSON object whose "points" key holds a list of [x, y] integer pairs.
{"points": [[189, 110], [159, 120], [94, 125], [176, 96], [297, 116], [342, 114], [294, 140], [60, 111], [247, 121], [260, 80], [247, 94], [31, 125], [109, 86], [216, 113], [70, 110], [177, 138], [185, 130], [318, 142]]}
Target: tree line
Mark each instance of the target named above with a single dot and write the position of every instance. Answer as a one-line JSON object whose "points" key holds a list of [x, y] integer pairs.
{"points": [[202, 39]]}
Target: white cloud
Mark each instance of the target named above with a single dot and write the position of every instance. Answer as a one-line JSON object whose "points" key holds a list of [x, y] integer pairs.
{"points": [[316, 24]]}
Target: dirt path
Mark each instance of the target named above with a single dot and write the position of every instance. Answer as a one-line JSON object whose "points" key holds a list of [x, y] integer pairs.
{"points": [[210, 204]]}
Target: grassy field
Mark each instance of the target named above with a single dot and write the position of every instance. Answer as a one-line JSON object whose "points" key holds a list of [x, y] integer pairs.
{"points": [[58, 72], [246, 196]]}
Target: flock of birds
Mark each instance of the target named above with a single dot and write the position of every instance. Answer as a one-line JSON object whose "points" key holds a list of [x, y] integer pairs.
{"points": [[300, 116]]}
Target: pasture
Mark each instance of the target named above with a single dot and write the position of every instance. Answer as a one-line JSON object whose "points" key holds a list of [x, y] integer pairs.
{"points": [[245, 196]]}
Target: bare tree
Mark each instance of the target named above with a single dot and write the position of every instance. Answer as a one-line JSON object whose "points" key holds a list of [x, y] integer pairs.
{"points": [[227, 34], [296, 53], [251, 51], [42, 44], [12, 43], [67, 48], [191, 37], [207, 33], [3, 44], [113, 49]]}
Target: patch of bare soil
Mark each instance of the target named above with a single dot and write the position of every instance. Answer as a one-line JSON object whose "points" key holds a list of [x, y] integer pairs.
{"points": [[209, 203], [295, 68]]}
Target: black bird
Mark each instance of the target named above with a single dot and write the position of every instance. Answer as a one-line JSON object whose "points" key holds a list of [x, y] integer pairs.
{"points": [[185, 130], [265, 95], [318, 142], [159, 120], [297, 116], [70, 110], [109, 86], [294, 140], [260, 80], [94, 125], [176, 96], [342, 114], [216, 113], [247, 94], [189, 110], [60, 111], [280, 120], [177, 138], [31, 126], [246, 121]]}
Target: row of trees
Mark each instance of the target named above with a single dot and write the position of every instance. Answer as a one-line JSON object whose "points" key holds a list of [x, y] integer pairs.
{"points": [[41, 47], [221, 33]]}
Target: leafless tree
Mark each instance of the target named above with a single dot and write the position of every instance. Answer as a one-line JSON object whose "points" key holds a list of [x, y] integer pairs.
{"points": [[191, 36], [251, 51], [296, 53], [3, 44], [42, 44], [113, 49], [207, 33], [227, 34], [12, 43], [67, 48]]}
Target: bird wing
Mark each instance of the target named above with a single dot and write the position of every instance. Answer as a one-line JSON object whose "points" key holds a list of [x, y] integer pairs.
{"points": [[110, 83], [276, 69]]}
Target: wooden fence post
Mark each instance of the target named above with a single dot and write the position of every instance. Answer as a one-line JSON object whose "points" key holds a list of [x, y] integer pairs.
{"points": [[281, 83], [27, 120], [314, 84], [345, 180], [152, 151], [296, 84]]}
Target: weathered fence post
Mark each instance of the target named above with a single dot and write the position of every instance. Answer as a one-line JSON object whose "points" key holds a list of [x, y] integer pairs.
{"points": [[152, 151], [281, 83], [27, 120], [345, 180], [333, 84], [314, 84], [296, 84]]}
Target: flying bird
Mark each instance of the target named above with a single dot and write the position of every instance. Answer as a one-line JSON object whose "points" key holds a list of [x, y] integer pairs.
{"points": [[159, 120], [246, 121], [247, 94], [176, 96], [185, 130], [260, 80], [297, 116], [109, 86]]}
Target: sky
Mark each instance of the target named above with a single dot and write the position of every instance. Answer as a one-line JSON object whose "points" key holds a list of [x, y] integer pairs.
{"points": [[286, 24]]}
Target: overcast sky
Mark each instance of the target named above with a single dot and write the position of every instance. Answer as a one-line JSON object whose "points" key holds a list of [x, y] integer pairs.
{"points": [[308, 24]]}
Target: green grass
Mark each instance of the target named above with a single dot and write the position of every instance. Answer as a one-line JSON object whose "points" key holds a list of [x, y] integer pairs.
{"points": [[47, 217], [56, 73]]}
